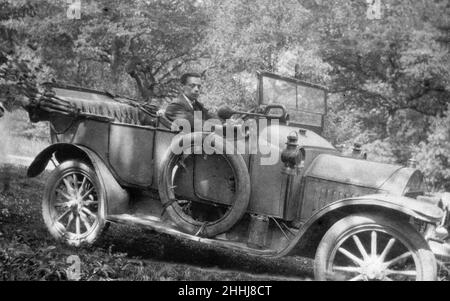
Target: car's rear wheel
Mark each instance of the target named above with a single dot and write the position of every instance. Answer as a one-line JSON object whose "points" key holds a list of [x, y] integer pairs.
{"points": [[370, 247], [73, 204]]}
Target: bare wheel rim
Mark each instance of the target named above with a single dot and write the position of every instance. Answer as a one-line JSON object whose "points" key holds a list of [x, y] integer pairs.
{"points": [[74, 205], [371, 253]]}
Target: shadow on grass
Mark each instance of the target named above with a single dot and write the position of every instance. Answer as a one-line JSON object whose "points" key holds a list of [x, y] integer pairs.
{"points": [[147, 244]]}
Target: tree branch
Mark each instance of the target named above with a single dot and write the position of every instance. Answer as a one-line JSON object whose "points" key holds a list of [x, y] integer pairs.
{"points": [[163, 63]]}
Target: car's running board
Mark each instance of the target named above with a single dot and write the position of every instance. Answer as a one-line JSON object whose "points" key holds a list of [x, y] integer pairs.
{"points": [[157, 225]]}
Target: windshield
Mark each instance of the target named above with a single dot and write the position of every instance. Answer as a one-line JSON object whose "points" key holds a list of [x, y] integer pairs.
{"points": [[305, 103]]}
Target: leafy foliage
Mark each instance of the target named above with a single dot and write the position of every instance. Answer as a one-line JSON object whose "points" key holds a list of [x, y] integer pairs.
{"points": [[433, 154], [388, 78]]}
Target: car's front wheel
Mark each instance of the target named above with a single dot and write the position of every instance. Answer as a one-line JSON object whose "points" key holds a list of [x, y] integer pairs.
{"points": [[73, 204], [371, 247]]}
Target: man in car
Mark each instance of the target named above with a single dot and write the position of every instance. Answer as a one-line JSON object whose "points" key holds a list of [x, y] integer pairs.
{"points": [[187, 102]]}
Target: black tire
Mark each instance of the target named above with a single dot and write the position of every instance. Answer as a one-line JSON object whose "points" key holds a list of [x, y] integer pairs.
{"points": [[399, 238], [66, 207], [186, 222]]}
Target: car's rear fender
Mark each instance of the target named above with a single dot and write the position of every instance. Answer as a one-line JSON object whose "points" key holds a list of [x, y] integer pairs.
{"points": [[116, 197], [310, 234]]}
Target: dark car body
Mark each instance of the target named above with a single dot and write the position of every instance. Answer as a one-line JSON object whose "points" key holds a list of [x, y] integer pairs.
{"points": [[292, 206]]}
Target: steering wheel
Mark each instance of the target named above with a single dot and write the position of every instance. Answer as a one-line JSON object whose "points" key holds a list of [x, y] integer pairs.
{"points": [[248, 115], [226, 113], [265, 111], [281, 116]]}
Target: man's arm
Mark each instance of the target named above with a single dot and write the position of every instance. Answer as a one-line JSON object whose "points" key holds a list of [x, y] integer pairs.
{"points": [[176, 111], [206, 114]]}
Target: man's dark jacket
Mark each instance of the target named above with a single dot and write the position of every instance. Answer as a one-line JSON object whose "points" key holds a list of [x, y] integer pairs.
{"points": [[180, 108]]}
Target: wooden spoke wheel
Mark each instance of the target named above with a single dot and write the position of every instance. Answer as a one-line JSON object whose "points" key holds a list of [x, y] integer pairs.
{"points": [[73, 203], [374, 248]]}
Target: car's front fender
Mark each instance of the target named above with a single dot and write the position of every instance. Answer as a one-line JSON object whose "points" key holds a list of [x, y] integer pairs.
{"points": [[418, 209], [421, 210]]}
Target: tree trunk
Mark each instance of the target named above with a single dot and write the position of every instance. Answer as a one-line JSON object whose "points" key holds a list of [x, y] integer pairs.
{"points": [[144, 85]]}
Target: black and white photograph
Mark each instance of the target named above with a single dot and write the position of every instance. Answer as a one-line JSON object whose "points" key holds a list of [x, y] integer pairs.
{"points": [[224, 146]]}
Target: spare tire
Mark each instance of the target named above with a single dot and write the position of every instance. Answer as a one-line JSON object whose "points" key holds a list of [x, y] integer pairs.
{"points": [[188, 144]]}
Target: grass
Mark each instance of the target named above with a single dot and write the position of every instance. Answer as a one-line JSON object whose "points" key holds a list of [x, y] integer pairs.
{"points": [[28, 252]]}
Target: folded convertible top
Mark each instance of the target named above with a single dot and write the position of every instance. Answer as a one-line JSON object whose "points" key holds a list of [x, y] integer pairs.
{"points": [[75, 101]]}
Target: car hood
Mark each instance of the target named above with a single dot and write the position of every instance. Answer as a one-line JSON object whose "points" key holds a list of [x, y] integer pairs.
{"points": [[277, 136], [393, 179]]}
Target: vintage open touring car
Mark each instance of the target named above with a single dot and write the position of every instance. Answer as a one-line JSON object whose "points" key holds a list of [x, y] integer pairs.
{"points": [[359, 220]]}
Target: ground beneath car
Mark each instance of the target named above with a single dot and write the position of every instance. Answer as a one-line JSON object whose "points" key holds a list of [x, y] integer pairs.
{"points": [[28, 252]]}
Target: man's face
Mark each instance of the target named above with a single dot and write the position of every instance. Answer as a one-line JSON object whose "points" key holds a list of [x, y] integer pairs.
{"points": [[192, 88]]}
